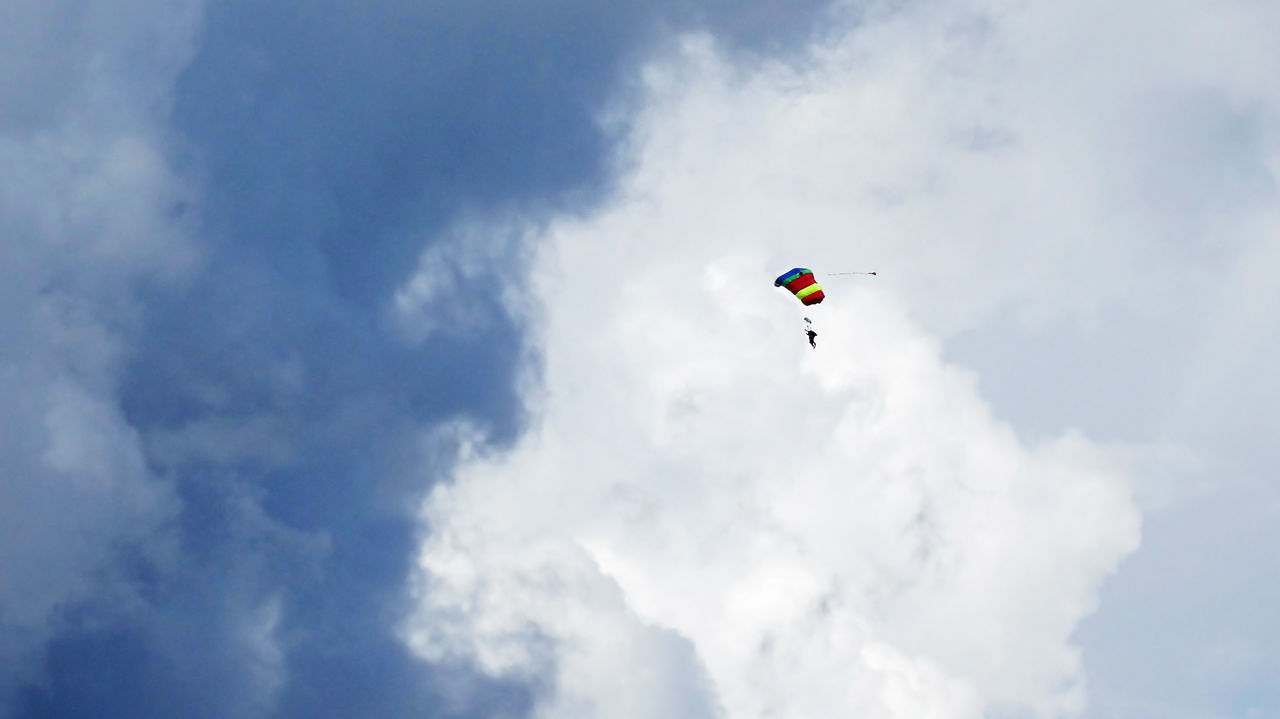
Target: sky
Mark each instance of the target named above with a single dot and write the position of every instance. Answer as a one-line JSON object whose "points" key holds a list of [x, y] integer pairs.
{"points": [[423, 359]]}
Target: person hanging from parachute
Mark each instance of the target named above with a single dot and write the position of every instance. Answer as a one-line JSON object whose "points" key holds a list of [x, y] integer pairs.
{"points": [[800, 282]]}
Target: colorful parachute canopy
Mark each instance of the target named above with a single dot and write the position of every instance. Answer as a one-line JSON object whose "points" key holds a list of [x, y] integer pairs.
{"points": [[802, 284]]}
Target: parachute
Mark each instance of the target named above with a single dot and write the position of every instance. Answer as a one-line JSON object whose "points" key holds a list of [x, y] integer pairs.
{"points": [[801, 283]]}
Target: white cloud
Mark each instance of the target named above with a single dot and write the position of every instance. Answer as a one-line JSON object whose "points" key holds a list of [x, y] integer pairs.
{"points": [[455, 274], [851, 531], [263, 654], [846, 530]]}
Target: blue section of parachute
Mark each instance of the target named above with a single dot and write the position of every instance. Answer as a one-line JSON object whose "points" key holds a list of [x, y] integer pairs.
{"points": [[789, 275]]}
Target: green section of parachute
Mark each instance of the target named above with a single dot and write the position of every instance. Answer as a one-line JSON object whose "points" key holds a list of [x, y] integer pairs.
{"points": [[799, 271]]}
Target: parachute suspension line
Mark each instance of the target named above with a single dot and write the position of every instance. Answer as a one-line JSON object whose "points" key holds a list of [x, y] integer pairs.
{"points": [[837, 274]]}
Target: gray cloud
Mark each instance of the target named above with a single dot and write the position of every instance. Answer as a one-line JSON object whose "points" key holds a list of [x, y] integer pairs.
{"points": [[211, 438], [86, 201]]}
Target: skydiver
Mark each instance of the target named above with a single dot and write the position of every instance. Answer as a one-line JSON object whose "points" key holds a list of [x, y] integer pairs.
{"points": [[812, 336]]}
